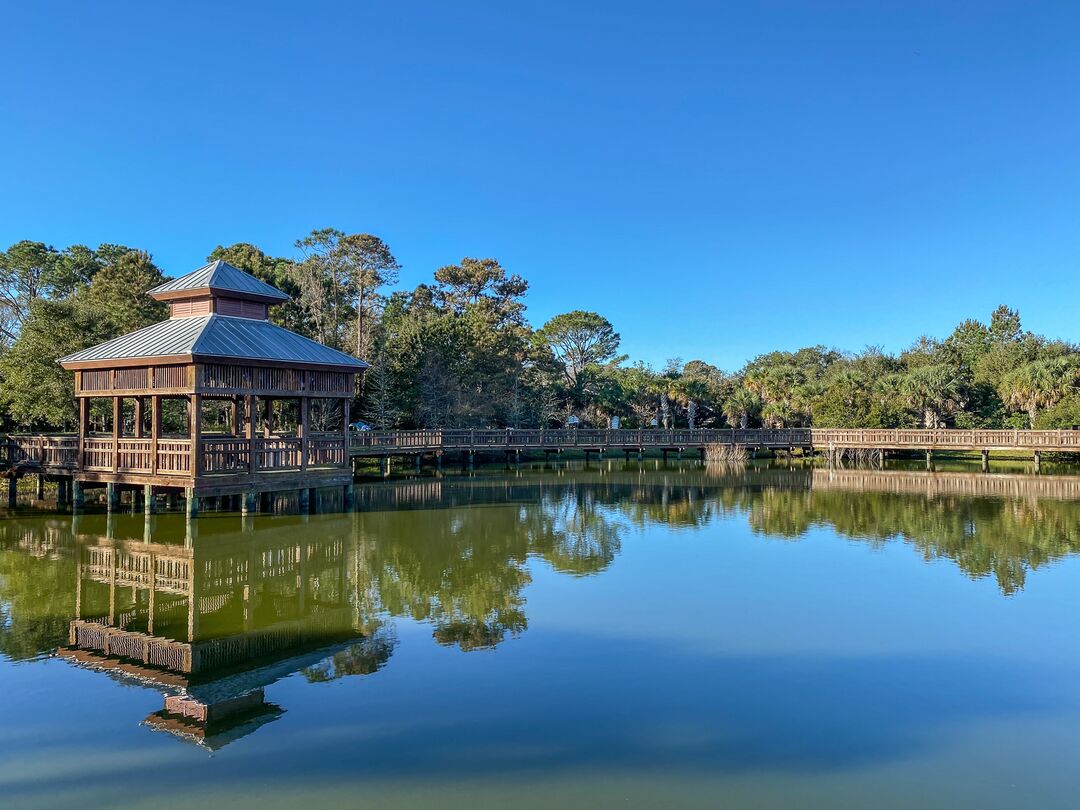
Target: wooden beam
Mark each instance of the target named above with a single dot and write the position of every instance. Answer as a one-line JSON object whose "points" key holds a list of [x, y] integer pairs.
{"points": [[249, 430], [117, 413], [195, 430], [84, 428], [237, 416], [155, 431], [345, 405], [138, 417], [304, 430]]}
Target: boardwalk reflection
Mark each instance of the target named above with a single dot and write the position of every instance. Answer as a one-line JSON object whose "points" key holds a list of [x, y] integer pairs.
{"points": [[214, 617]]}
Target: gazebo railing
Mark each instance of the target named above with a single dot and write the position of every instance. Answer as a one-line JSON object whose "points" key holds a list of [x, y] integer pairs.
{"points": [[43, 450]]}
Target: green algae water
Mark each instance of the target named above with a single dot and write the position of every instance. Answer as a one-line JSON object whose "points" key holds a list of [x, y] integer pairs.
{"points": [[609, 636]]}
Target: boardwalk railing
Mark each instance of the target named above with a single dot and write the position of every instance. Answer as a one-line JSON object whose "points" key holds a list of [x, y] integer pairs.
{"points": [[404, 441], [227, 454], [411, 441], [947, 439]]}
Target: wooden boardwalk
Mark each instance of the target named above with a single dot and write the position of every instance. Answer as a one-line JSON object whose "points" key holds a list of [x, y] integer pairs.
{"points": [[58, 454], [405, 442]]}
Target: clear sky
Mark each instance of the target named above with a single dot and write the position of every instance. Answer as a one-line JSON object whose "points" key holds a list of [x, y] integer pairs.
{"points": [[718, 179]]}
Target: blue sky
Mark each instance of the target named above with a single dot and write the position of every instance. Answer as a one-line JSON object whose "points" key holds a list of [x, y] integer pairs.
{"points": [[718, 179]]}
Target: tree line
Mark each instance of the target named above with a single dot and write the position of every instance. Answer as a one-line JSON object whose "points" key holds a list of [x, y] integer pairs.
{"points": [[459, 351]]}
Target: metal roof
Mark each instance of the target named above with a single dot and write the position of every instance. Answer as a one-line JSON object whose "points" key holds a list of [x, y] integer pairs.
{"points": [[220, 276], [217, 337]]}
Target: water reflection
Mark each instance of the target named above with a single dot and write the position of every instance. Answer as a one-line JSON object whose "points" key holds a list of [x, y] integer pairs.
{"points": [[212, 617]]}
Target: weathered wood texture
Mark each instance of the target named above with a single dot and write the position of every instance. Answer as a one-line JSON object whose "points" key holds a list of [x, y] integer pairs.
{"points": [[229, 455], [364, 443]]}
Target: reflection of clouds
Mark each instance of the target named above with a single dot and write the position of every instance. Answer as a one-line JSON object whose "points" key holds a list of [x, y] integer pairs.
{"points": [[776, 715]]}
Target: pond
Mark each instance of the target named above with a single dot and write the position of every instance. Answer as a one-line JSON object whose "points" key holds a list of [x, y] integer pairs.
{"points": [[606, 636]]}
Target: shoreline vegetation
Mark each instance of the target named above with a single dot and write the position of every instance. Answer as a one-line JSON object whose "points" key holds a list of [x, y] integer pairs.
{"points": [[458, 351]]}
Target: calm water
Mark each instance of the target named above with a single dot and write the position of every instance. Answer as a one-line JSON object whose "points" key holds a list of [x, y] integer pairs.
{"points": [[592, 638]]}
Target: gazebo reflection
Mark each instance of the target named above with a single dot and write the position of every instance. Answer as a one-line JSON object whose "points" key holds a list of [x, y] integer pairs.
{"points": [[212, 620]]}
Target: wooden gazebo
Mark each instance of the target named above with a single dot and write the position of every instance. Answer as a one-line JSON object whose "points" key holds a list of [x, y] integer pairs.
{"points": [[216, 400]]}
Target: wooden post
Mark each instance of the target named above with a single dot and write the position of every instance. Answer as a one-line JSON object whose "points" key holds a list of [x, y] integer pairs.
{"points": [[12, 490], [112, 496], [191, 503], [249, 433], [138, 417], [303, 430], [238, 416], [1038, 461], [986, 461], [77, 499], [345, 407], [40, 493], [116, 411], [196, 431], [148, 499], [84, 425], [155, 431]]}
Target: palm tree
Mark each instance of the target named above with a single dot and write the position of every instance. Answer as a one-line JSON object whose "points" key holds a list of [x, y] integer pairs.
{"points": [[934, 391], [1040, 384], [740, 406]]}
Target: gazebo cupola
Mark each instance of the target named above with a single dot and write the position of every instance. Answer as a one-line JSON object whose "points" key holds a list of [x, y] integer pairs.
{"points": [[218, 288], [217, 399]]}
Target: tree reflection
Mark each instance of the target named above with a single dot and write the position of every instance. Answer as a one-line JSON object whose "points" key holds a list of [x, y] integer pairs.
{"points": [[459, 554]]}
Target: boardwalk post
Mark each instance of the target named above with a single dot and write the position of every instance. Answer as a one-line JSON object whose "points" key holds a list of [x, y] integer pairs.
{"points": [[112, 496], [303, 497], [985, 461], [12, 490], [929, 460], [77, 499], [191, 503], [149, 504], [40, 492], [1038, 461]]}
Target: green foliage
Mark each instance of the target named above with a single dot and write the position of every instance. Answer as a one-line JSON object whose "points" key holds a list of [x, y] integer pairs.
{"points": [[1064, 415], [579, 340], [102, 296], [459, 352]]}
